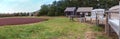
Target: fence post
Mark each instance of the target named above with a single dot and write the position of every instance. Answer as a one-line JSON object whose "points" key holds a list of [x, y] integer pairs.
{"points": [[107, 25], [119, 20]]}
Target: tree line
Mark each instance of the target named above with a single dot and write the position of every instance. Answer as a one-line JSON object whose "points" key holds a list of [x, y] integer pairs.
{"points": [[57, 7], [17, 14]]}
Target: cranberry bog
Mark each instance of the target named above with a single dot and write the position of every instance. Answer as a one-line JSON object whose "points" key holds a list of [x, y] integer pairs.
{"points": [[18, 21]]}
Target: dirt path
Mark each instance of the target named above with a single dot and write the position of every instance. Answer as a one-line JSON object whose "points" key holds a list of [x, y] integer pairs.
{"points": [[90, 35]]}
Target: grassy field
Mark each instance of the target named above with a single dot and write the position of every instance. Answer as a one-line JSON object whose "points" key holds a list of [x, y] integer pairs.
{"points": [[55, 28]]}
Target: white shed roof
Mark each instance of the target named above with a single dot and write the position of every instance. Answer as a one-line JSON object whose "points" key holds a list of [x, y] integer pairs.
{"points": [[84, 9], [70, 9], [114, 9]]}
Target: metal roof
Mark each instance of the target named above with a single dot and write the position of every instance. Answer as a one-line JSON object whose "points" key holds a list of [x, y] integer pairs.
{"points": [[114, 7], [113, 11], [100, 11], [84, 9], [70, 9]]}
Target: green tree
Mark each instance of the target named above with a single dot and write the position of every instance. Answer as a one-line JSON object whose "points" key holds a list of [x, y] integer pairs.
{"points": [[43, 10], [57, 7]]}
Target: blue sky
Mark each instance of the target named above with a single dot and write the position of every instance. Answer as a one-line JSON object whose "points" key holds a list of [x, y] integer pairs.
{"points": [[12, 6]]}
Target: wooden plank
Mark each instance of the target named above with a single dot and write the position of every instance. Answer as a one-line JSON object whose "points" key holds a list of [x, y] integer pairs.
{"points": [[107, 25], [96, 20]]}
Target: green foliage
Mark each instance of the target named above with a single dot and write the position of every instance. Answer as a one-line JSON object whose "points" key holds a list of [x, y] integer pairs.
{"points": [[57, 7], [44, 10], [51, 11]]}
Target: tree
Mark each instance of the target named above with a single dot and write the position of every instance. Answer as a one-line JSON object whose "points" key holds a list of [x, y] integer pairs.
{"points": [[44, 10], [57, 7]]}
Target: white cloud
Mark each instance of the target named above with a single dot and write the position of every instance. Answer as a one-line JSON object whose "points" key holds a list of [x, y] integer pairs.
{"points": [[11, 6], [16, 0]]}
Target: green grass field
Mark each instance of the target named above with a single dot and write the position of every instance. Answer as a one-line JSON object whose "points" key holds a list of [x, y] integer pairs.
{"points": [[54, 28]]}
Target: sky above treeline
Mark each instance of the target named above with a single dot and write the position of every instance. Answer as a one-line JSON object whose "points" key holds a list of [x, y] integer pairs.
{"points": [[12, 6]]}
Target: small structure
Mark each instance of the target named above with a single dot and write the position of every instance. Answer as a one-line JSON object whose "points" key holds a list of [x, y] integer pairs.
{"points": [[93, 15], [30, 14], [113, 20], [83, 11], [70, 12], [36, 13], [99, 15]]}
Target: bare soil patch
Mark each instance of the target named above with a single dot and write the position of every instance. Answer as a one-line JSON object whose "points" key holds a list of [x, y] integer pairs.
{"points": [[18, 21]]}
